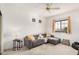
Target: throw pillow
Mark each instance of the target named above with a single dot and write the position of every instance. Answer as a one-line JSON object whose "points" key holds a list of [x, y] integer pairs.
{"points": [[31, 37], [40, 36]]}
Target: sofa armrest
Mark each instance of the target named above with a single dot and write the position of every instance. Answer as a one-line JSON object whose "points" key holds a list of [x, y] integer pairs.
{"points": [[28, 43]]}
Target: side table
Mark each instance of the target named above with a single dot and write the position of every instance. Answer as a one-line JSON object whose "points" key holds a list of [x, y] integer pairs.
{"points": [[17, 44]]}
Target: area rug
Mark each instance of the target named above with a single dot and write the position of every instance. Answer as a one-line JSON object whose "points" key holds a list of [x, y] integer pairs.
{"points": [[45, 49]]}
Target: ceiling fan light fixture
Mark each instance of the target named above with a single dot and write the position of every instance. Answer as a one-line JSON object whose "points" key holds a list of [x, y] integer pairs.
{"points": [[47, 8], [50, 7]]}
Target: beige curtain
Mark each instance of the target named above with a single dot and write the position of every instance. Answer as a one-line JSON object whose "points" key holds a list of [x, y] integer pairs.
{"points": [[69, 25], [68, 28], [53, 26]]}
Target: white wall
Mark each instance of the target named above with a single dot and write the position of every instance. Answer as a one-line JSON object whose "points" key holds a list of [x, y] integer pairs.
{"points": [[17, 19], [74, 36]]}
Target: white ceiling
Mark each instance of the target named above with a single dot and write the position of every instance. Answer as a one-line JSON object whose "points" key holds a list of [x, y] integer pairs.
{"points": [[39, 8]]}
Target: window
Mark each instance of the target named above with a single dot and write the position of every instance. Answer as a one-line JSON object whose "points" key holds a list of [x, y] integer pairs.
{"points": [[61, 26], [57, 26], [64, 25]]}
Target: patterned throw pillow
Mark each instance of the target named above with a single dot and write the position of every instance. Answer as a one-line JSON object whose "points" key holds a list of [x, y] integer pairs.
{"points": [[40, 36], [31, 37]]}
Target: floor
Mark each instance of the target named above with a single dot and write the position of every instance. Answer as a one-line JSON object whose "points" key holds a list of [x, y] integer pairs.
{"points": [[45, 49]]}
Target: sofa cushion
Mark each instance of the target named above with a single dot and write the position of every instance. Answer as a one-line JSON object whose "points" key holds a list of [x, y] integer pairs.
{"points": [[51, 35], [77, 43], [38, 42], [55, 42], [52, 38]]}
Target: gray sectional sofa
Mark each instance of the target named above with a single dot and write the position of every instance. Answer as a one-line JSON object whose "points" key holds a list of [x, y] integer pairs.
{"points": [[30, 44]]}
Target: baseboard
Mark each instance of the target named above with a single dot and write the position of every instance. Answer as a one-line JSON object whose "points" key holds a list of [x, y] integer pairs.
{"points": [[8, 49]]}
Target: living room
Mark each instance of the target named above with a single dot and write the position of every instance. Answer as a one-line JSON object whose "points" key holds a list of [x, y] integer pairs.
{"points": [[21, 20]]}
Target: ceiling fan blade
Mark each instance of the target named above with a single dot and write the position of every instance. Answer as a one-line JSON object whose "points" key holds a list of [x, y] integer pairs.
{"points": [[57, 8]]}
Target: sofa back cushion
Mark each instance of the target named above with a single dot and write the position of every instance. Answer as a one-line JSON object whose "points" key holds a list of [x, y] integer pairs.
{"points": [[36, 36], [51, 35], [77, 43], [44, 35]]}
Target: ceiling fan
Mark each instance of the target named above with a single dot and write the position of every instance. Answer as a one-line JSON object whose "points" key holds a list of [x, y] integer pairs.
{"points": [[49, 6]]}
